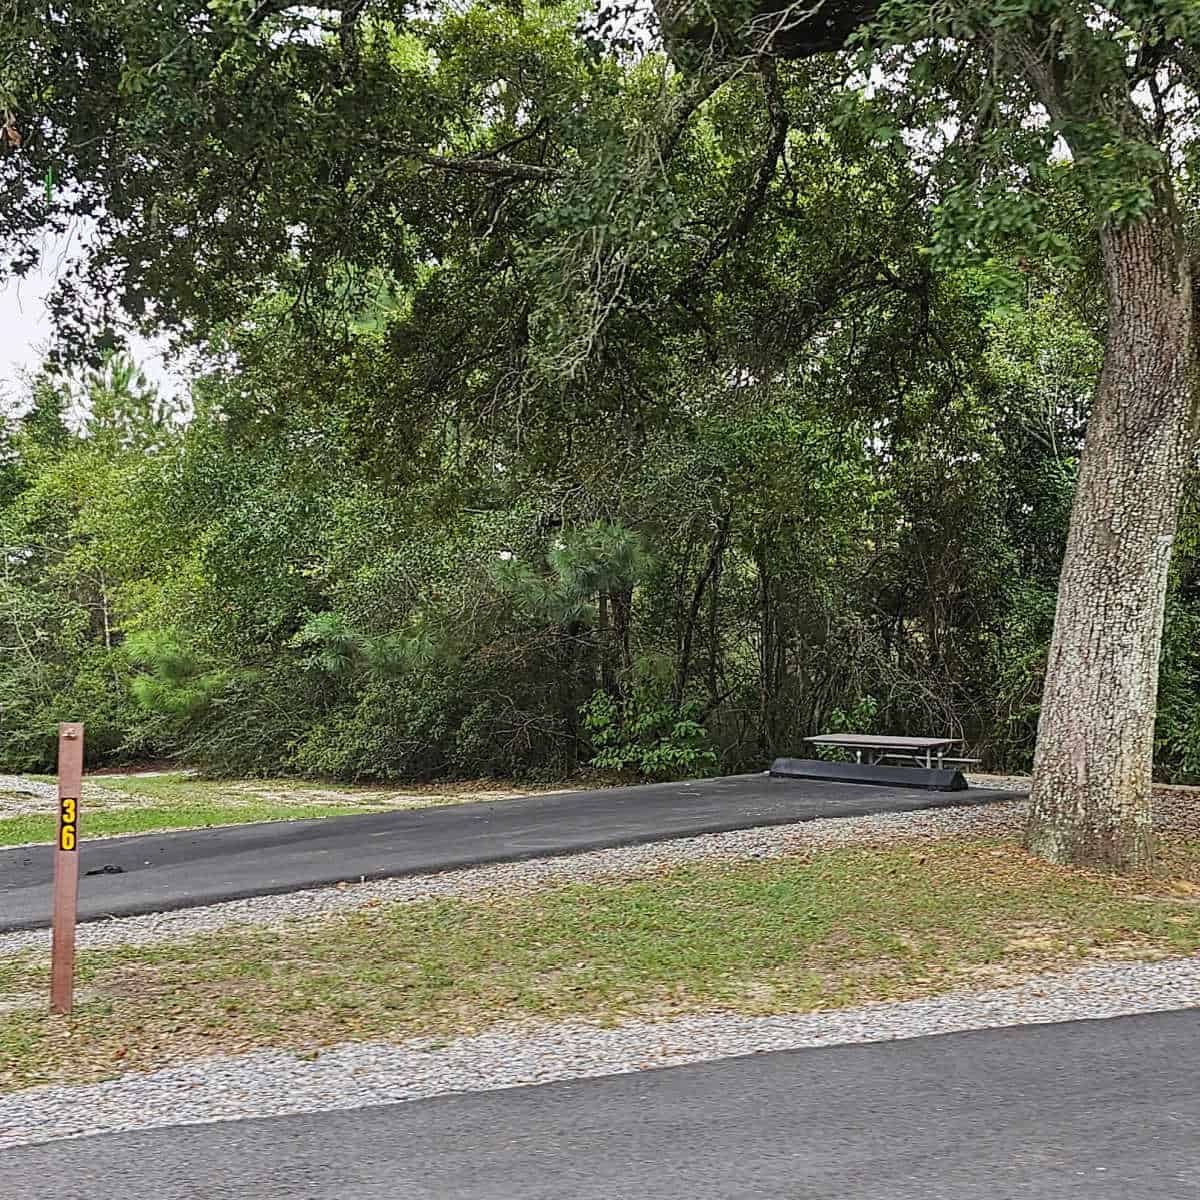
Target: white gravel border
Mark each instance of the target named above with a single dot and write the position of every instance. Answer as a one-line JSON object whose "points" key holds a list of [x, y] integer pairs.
{"points": [[20, 797], [354, 1075]]}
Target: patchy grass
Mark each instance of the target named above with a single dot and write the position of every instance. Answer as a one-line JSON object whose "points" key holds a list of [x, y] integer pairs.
{"points": [[145, 803], [842, 927], [15, 831]]}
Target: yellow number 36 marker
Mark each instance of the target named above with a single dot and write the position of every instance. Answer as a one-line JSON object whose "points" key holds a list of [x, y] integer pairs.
{"points": [[68, 822]]}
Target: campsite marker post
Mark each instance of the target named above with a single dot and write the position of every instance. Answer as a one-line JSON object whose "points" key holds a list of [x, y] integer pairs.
{"points": [[66, 867]]}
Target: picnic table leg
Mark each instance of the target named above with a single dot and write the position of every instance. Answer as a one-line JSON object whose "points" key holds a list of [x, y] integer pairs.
{"points": [[929, 760]]}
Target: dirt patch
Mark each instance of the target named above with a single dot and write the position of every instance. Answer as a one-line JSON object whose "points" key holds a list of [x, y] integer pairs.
{"points": [[408, 797]]}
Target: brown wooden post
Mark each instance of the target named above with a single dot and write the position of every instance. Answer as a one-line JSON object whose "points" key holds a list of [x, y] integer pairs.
{"points": [[66, 867]]}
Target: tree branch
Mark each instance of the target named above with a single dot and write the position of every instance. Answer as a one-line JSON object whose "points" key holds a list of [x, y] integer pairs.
{"points": [[780, 122], [799, 29], [491, 167], [275, 8]]}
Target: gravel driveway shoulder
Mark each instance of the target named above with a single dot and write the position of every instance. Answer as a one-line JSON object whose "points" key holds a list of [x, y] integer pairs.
{"points": [[355, 1075]]}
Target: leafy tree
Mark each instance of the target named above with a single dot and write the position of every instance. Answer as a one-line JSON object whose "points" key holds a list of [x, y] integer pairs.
{"points": [[483, 270], [67, 556], [1117, 85]]}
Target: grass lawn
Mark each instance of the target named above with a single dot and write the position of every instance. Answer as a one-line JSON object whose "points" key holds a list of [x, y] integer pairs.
{"points": [[15, 831], [142, 804], [840, 927]]}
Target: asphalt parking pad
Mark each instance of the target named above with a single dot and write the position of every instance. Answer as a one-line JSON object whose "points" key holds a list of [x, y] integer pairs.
{"points": [[156, 872]]}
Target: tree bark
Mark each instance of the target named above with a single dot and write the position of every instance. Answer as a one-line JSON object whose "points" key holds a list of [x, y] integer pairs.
{"points": [[692, 619], [1092, 770], [714, 613], [771, 650], [621, 601], [608, 680]]}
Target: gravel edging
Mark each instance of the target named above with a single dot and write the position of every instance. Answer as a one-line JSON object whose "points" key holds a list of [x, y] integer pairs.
{"points": [[774, 841], [25, 797], [355, 1075]]}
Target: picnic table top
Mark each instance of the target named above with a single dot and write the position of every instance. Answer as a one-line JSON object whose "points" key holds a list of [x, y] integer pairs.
{"points": [[879, 742]]}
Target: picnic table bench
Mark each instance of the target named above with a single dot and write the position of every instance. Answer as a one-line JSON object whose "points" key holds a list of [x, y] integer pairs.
{"points": [[926, 752]]}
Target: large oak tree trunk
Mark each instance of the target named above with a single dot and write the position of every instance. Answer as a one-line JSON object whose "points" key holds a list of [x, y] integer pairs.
{"points": [[1092, 771]]}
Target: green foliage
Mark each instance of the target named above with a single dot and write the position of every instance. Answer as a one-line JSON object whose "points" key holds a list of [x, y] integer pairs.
{"points": [[858, 718], [601, 559], [249, 596], [647, 736], [332, 646], [555, 396], [175, 683], [1177, 731]]}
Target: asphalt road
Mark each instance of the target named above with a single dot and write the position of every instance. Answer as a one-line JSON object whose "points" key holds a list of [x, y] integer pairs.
{"points": [[1099, 1110], [181, 870]]}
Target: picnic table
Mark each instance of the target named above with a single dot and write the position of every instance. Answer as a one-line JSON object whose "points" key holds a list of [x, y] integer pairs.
{"points": [[928, 752]]}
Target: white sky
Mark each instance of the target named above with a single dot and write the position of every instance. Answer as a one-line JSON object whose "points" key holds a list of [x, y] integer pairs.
{"points": [[27, 330]]}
